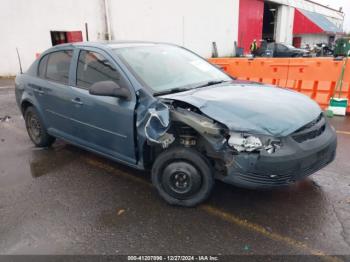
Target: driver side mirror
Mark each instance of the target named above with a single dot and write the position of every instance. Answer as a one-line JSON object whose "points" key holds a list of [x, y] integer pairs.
{"points": [[109, 88]]}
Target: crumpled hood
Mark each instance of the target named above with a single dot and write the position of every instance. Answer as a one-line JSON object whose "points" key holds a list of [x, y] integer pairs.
{"points": [[252, 107]]}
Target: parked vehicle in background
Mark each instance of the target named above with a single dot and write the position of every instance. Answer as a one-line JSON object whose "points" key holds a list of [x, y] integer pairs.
{"points": [[342, 46], [281, 50], [322, 50], [163, 108]]}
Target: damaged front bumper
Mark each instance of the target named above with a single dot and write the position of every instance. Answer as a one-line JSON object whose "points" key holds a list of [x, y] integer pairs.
{"points": [[241, 159], [292, 162]]}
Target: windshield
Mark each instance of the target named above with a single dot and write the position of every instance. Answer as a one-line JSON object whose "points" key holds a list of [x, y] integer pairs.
{"points": [[164, 68], [270, 46], [290, 46]]}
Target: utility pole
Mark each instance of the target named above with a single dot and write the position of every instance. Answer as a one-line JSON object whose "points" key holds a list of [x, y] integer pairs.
{"points": [[107, 20]]}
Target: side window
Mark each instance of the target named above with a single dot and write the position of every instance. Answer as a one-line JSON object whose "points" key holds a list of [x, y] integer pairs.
{"points": [[92, 68], [42, 67], [281, 48], [58, 64], [270, 46]]}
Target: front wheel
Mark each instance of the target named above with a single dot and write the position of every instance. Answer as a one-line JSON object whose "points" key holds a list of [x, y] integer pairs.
{"points": [[182, 177], [36, 129]]}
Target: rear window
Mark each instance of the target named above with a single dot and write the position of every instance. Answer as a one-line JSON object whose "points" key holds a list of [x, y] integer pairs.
{"points": [[42, 67], [55, 66], [282, 48]]}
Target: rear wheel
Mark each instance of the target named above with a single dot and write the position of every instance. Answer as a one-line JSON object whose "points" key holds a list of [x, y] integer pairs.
{"points": [[182, 177], [36, 129]]}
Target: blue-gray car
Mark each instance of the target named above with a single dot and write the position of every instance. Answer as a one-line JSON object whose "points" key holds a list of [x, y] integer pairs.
{"points": [[160, 107]]}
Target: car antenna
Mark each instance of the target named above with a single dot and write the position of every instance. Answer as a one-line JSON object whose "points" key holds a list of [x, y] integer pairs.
{"points": [[19, 61]]}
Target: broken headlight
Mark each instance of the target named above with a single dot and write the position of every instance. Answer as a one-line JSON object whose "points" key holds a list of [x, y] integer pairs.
{"points": [[272, 145], [244, 143], [250, 143]]}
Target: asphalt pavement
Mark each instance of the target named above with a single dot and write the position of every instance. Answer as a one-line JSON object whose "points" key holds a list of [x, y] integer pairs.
{"points": [[64, 200]]}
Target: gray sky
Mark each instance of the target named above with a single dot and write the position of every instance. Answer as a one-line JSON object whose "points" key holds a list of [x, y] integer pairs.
{"points": [[336, 4]]}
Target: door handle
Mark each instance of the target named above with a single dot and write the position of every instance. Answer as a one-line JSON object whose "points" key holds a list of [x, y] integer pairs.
{"points": [[37, 89], [77, 101]]}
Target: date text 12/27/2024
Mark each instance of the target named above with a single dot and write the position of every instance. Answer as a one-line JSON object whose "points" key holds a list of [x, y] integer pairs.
{"points": [[173, 258]]}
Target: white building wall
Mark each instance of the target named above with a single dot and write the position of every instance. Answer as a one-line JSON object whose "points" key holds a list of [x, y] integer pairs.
{"points": [[312, 39], [26, 24], [194, 24], [285, 22]]}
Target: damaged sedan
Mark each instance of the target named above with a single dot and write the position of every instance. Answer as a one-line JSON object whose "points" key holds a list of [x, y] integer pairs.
{"points": [[160, 107]]}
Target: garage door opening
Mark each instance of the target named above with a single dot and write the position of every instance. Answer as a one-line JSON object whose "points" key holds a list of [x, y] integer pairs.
{"points": [[270, 20]]}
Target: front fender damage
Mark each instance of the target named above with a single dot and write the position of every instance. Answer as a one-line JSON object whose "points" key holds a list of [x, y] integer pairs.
{"points": [[160, 117], [160, 122]]}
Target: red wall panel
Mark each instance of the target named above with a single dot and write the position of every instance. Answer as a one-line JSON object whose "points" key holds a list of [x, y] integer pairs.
{"points": [[297, 42], [251, 14], [74, 36], [303, 25]]}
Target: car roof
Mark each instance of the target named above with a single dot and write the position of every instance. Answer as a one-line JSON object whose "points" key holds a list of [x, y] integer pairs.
{"points": [[104, 45], [108, 44]]}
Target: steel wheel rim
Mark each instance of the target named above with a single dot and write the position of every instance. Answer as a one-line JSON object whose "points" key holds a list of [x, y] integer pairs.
{"points": [[181, 180], [34, 127]]}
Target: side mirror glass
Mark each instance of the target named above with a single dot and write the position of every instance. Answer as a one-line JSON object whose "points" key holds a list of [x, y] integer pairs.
{"points": [[109, 88]]}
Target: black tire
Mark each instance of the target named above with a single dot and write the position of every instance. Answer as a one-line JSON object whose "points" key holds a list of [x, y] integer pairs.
{"points": [[182, 176], [36, 129]]}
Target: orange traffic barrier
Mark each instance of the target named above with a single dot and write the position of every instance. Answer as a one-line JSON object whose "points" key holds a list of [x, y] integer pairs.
{"points": [[315, 77]]}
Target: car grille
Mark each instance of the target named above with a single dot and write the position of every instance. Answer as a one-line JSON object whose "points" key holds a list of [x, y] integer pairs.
{"points": [[311, 130]]}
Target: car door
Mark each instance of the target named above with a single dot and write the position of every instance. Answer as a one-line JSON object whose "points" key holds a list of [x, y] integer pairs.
{"points": [[104, 124], [270, 50], [51, 90]]}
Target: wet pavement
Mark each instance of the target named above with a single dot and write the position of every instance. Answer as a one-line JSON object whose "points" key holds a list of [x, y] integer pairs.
{"points": [[64, 200]]}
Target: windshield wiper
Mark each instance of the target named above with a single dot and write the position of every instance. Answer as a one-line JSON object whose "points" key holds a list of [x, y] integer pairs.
{"points": [[182, 89], [170, 91], [211, 83]]}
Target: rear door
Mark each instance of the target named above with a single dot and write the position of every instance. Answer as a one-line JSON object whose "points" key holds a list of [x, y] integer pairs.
{"points": [[52, 91], [105, 124]]}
